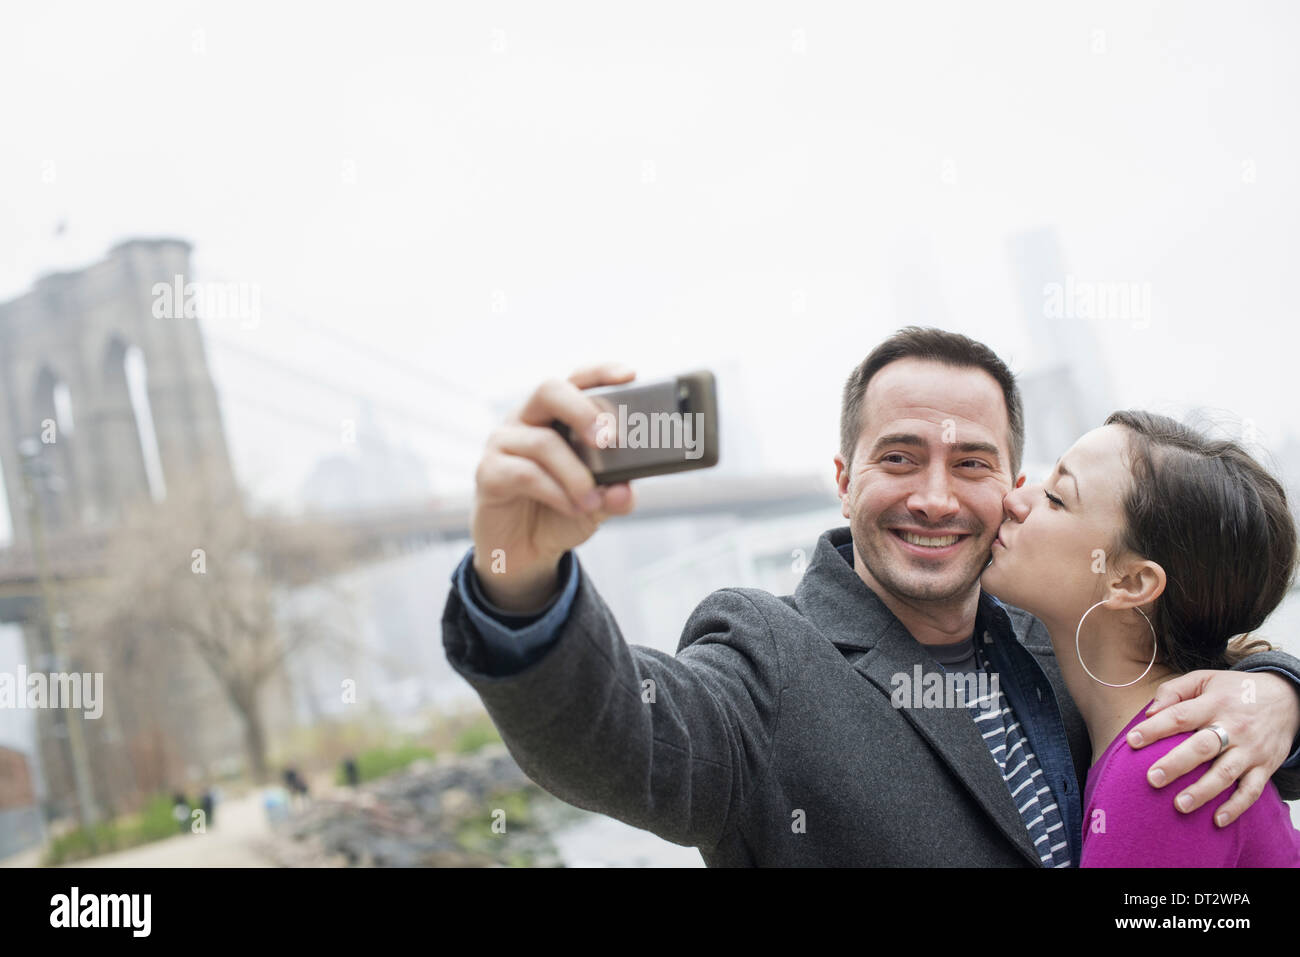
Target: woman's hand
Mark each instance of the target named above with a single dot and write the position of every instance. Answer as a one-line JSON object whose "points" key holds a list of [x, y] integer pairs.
{"points": [[1259, 710]]}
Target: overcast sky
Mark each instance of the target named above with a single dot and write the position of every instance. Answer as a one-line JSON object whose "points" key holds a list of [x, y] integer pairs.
{"points": [[444, 204]]}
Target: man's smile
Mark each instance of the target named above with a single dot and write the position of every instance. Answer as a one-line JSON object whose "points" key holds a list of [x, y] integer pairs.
{"points": [[930, 543]]}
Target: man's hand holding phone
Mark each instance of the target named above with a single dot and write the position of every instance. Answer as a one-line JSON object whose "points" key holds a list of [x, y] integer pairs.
{"points": [[534, 498]]}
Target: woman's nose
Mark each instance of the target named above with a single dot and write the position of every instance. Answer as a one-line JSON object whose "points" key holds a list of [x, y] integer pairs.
{"points": [[1016, 503]]}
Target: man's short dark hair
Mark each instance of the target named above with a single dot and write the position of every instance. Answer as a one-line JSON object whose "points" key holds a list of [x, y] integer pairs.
{"points": [[936, 345]]}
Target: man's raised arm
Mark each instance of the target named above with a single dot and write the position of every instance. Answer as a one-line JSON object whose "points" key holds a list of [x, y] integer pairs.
{"points": [[669, 744]]}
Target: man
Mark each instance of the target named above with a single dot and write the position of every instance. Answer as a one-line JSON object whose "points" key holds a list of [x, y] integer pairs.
{"points": [[776, 735]]}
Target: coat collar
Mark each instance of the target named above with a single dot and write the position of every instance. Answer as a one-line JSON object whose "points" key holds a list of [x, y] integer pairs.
{"points": [[855, 620], [849, 613]]}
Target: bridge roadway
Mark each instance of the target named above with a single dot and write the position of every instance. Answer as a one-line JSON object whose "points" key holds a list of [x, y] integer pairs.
{"points": [[374, 533]]}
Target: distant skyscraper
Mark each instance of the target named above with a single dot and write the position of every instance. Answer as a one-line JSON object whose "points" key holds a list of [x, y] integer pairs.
{"points": [[1068, 389], [918, 292], [378, 473]]}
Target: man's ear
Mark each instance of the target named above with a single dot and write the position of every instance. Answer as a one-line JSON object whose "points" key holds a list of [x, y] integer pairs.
{"points": [[1139, 583], [842, 484], [1020, 481]]}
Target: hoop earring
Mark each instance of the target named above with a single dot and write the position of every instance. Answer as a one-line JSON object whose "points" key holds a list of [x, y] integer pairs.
{"points": [[1154, 646]]}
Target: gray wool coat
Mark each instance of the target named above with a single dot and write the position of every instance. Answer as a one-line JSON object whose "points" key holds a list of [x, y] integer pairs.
{"points": [[771, 708]]}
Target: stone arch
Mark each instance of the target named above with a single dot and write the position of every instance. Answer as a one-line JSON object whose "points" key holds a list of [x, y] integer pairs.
{"points": [[126, 424]]}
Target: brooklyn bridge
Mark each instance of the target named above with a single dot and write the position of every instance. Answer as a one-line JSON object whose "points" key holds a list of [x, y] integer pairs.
{"points": [[104, 407]]}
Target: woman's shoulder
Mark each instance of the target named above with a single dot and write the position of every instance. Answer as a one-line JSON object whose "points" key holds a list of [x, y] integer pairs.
{"points": [[1130, 822], [1123, 767], [1121, 773]]}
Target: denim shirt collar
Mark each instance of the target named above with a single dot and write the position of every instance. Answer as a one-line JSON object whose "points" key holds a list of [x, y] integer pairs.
{"points": [[1033, 700]]}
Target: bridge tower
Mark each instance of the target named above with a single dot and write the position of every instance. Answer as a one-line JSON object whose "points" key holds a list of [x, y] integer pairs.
{"points": [[104, 398], [74, 352]]}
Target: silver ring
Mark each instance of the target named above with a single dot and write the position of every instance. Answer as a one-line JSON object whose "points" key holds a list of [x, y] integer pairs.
{"points": [[1223, 736]]}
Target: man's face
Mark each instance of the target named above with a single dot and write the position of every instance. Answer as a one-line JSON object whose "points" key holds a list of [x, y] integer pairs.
{"points": [[931, 467]]}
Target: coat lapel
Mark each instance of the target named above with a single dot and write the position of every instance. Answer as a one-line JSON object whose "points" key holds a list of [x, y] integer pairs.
{"points": [[951, 732]]}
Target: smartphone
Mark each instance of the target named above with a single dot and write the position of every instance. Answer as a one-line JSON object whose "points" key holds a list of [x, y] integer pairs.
{"points": [[651, 428]]}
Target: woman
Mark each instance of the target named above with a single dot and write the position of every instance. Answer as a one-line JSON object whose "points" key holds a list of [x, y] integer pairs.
{"points": [[1147, 547]]}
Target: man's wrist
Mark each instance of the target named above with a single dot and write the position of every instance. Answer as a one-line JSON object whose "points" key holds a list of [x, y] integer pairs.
{"points": [[1293, 761], [520, 593]]}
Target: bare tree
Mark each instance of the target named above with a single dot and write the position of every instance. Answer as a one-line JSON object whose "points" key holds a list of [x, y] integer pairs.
{"points": [[199, 572]]}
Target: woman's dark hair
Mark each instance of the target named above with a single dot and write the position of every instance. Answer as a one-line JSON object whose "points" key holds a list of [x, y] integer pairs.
{"points": [[1218, 523]]}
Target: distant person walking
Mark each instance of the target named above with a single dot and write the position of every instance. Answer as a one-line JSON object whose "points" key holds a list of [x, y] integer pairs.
{"points": [[298, 791], [181, 811], [206, 803]]}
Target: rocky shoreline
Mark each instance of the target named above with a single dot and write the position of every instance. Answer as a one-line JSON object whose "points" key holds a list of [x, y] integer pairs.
{"points": [[476, 810]]}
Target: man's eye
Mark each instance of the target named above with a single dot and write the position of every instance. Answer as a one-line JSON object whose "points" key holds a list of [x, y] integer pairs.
{"points": [[1053, 499], [977, 463], [894, 458]]}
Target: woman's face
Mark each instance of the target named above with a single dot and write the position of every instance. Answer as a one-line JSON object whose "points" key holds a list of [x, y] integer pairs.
{"points": [[1051, 553]]}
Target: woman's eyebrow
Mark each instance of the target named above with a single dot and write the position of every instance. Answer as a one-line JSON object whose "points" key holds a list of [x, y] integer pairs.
{"points": [[1060, 467]]}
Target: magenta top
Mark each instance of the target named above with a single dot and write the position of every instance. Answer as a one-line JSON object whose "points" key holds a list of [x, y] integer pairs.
{"points": [[1129, 823]]}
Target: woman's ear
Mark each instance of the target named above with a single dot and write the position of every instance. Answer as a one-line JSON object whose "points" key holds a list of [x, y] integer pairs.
{"points": [[1138, 583]]}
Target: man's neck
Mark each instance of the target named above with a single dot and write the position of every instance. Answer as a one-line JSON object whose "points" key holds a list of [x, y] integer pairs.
{"points": [[944, 622]]}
